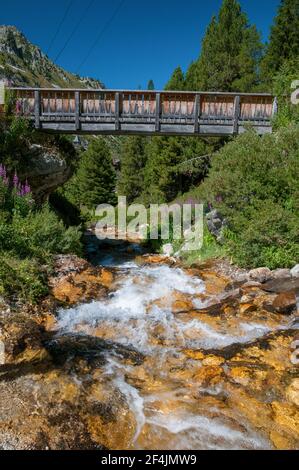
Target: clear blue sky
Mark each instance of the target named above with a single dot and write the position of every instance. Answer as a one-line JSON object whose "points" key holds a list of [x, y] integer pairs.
{"points": [[145, 39]]}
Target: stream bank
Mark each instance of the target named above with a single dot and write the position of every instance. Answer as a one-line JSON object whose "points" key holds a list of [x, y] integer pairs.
{"points": [[138, 352]]}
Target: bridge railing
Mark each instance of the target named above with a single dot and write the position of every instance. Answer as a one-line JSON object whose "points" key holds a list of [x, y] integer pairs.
{"points": [[147, 107]]}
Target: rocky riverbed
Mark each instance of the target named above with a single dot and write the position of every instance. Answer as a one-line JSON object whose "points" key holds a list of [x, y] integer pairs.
{"points": [[137, 352]]}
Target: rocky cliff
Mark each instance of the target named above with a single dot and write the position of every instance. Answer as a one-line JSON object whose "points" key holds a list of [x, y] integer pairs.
{"points": [[24, 64]]}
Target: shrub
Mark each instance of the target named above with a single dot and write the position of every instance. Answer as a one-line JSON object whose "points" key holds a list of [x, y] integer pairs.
{"points": [[268, 236], [29, 236], [282, 88], [254, 183], [21, 279], [41, 234]]}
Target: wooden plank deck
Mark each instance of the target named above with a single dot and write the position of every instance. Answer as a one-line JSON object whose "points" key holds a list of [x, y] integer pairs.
{"points": [[125, 112]]}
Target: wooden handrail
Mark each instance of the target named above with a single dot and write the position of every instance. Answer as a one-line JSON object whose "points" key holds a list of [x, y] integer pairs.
{"points": [[145, 111]]}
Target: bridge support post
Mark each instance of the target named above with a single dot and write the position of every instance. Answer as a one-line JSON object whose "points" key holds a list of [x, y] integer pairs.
{"points": [[77, 110], [117, 111], [236, 115], [196, 114], [158, 112], [37, 109], [2, 96], [275, 107]]}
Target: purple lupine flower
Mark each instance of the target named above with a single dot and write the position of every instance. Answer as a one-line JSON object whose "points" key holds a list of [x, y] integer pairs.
{"points": [[15, 180], [27, 189], [18, 107], [6, 180], [2, 171]]}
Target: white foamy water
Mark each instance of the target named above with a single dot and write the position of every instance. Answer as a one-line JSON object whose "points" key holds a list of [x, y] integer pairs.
{"points": [[139, 314], [191, 432], [133, 314], [129, 309]]}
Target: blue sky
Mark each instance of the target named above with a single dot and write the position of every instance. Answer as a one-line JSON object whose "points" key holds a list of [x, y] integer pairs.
{"points": [[145, 39]]}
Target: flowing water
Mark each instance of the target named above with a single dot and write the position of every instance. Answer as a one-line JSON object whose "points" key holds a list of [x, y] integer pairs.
{"points": [[172, 408]]}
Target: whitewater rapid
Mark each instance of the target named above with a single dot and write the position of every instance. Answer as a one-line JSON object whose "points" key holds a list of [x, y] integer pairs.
{"points": [[138, 313]]}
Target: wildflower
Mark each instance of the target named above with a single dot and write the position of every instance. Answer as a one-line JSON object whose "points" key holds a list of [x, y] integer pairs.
{"points": [[27, 189], [2, 171], [15, 180]]}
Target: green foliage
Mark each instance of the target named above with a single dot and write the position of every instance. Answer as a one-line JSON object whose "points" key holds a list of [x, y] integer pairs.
{"points": [[268, 235], [16, 138], [94, 182], [133, 160], [22, 279], [192, 77], [151, 85], [210, 250], [284, 39], [177, 80], [282, 88], [174, 164], [29, 236], [65, 209], [230, 55], [253, 181], [9, 102], [39, 235]]}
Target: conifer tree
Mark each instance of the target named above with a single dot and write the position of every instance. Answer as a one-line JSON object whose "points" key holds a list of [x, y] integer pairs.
{"points": [[133, 159], [177, 80], [192, 78], [161, 181], [284, 39], [96, 176], [151, 85], [174, 164], [231, 53]]}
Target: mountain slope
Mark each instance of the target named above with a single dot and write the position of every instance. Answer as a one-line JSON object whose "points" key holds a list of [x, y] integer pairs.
{"points": [[23, 64]]}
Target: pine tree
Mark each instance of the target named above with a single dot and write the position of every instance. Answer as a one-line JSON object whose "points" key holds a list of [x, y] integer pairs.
{"points": [[151, 85], [231, 53], [96, 176], [133, 159], [249, 61], [284, 39], [192, 78], [171, 167], [177, 80], [161, 183]]}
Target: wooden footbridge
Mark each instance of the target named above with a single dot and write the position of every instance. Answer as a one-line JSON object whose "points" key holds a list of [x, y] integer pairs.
{"points": [[144, 112]]}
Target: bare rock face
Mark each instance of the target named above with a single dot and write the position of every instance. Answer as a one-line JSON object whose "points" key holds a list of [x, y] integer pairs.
{"points": [[46, 171], [26, 65]]}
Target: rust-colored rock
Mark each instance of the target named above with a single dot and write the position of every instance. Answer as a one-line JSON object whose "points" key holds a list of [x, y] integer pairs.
{"points": [[285, 303], [292, 392], [89, 284], [208, 375]]}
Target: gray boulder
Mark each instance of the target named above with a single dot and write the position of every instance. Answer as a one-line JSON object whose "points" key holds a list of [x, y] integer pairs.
{"points": [[295, 271], [260, 275]]}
